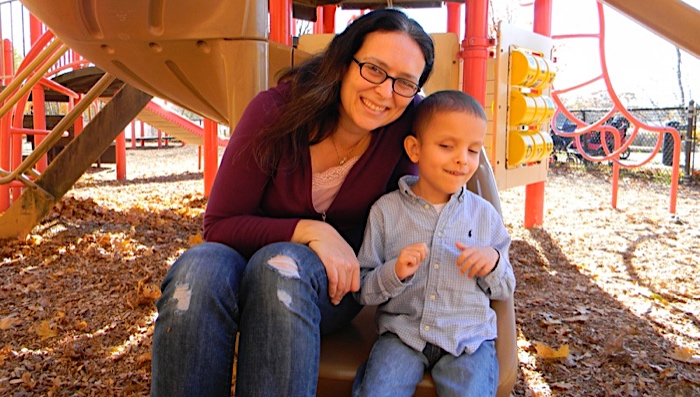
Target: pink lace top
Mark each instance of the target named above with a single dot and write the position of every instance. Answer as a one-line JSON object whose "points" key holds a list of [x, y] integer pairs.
{"points": [[325, 185]]}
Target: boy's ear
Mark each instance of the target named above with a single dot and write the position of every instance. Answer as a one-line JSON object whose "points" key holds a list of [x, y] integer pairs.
{"points": [[412, 147]]}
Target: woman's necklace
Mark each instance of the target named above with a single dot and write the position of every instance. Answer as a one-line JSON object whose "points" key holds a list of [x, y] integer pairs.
{"points": [[344, 160]]}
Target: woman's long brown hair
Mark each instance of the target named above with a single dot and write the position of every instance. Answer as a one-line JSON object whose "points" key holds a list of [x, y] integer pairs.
{"points": [[312, 112]]}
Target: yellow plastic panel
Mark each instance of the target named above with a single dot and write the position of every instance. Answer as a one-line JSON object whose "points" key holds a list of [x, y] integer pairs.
{"points": [[539, 146], [523, 69], [523, 109], [545, 74], [548, 107], [529, 110], [548, 145], [521, 147]]}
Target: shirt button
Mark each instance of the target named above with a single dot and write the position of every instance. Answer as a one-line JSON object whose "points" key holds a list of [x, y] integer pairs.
{"points": [[432, 297], [427, 328], [439, 234], [436, 266], [426, 206]]}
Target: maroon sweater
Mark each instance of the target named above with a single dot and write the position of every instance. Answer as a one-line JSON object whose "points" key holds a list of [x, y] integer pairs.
{"points": [[249, 209]]}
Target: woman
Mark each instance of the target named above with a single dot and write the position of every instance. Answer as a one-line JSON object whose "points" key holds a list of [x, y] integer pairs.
{"points": [[286, 216]]}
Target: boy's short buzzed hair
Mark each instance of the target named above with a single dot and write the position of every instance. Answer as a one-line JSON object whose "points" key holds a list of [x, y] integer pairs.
{"points": [[445, 101]]}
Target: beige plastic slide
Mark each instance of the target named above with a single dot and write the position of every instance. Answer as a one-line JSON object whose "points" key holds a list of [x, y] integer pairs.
{"points": [[673, 20], [207, 56]]}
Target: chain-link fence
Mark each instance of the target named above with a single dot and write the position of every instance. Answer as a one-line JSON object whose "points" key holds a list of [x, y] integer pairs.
{"points": [[641, 149]]}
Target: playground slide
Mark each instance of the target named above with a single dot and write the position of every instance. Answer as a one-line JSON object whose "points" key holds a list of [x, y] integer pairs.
{"points": [[673, 20], [174, 125]]}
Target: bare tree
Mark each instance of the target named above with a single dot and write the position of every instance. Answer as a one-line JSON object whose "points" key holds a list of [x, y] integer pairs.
{"points": [[678, 73]]}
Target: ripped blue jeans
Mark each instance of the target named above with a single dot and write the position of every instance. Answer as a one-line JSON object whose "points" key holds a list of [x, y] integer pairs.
{"points": [[279, 303]]}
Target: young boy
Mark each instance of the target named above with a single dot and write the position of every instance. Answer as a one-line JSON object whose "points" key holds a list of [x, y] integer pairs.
{"points": [[434, 255]]}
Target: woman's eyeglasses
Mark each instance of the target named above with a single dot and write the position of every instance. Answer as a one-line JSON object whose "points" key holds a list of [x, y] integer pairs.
{"points": [[376, 75]]}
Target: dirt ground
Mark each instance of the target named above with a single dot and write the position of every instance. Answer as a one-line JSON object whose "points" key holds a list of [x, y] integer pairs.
{"points": [[607, 302]]}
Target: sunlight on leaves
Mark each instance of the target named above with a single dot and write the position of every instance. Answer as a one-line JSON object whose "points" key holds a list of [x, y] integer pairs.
{"points": [[546, 352], [45, 330], [8, 322], [196, 239], [659, 298], [151, 292], [685, 355], [79, 325], [577, 319]]}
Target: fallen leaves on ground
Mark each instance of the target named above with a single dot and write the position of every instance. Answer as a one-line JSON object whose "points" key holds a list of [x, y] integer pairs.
{"points": [[607, 301]]}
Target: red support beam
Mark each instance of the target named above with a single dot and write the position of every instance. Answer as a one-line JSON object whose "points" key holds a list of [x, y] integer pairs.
{"points": [[476, 49], [79, 123], [329, 19], [543, 17], [281, 21], [35, 31], [8, 67], [120, 149], [39, 122], [5, 159], [211, 154], [5, 123], [453, 18], [534, 193], [318, 25]]}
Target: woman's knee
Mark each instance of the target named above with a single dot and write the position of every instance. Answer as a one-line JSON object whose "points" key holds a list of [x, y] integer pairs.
{"points": [[208, 268], [286, 260]]}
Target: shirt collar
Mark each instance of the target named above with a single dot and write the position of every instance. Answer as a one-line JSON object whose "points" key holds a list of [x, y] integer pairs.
{"points": [[407, 181]]}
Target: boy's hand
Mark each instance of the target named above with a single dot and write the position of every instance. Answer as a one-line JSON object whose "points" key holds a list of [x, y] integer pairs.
{"points": [[409, 260], [476, 261]]}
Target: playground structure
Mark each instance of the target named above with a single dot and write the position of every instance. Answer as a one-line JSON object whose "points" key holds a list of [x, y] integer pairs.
{"points": [[622, 144], [135, 43]]}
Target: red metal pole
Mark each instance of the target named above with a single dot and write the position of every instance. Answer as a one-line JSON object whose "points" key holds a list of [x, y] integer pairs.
{"points": [[318, 25], [120, 148], [453, 21], [329, 19], [543, 17], [211, 155], [280, 21], [475, 54], [79, 123], [35, 28], [5, 123], [133, 135], [39, 122], [534, 193], [8, 69]]}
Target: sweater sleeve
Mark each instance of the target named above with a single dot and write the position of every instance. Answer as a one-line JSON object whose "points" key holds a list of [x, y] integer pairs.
{"points": [[232, 216], [500, 283], [379, 281]]}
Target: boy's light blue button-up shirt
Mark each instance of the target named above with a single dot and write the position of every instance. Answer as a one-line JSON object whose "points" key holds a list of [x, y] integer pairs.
{"points": [[438, 304]]}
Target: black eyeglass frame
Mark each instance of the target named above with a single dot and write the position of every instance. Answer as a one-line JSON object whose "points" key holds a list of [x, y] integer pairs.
{"points": [[386, 76]]}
